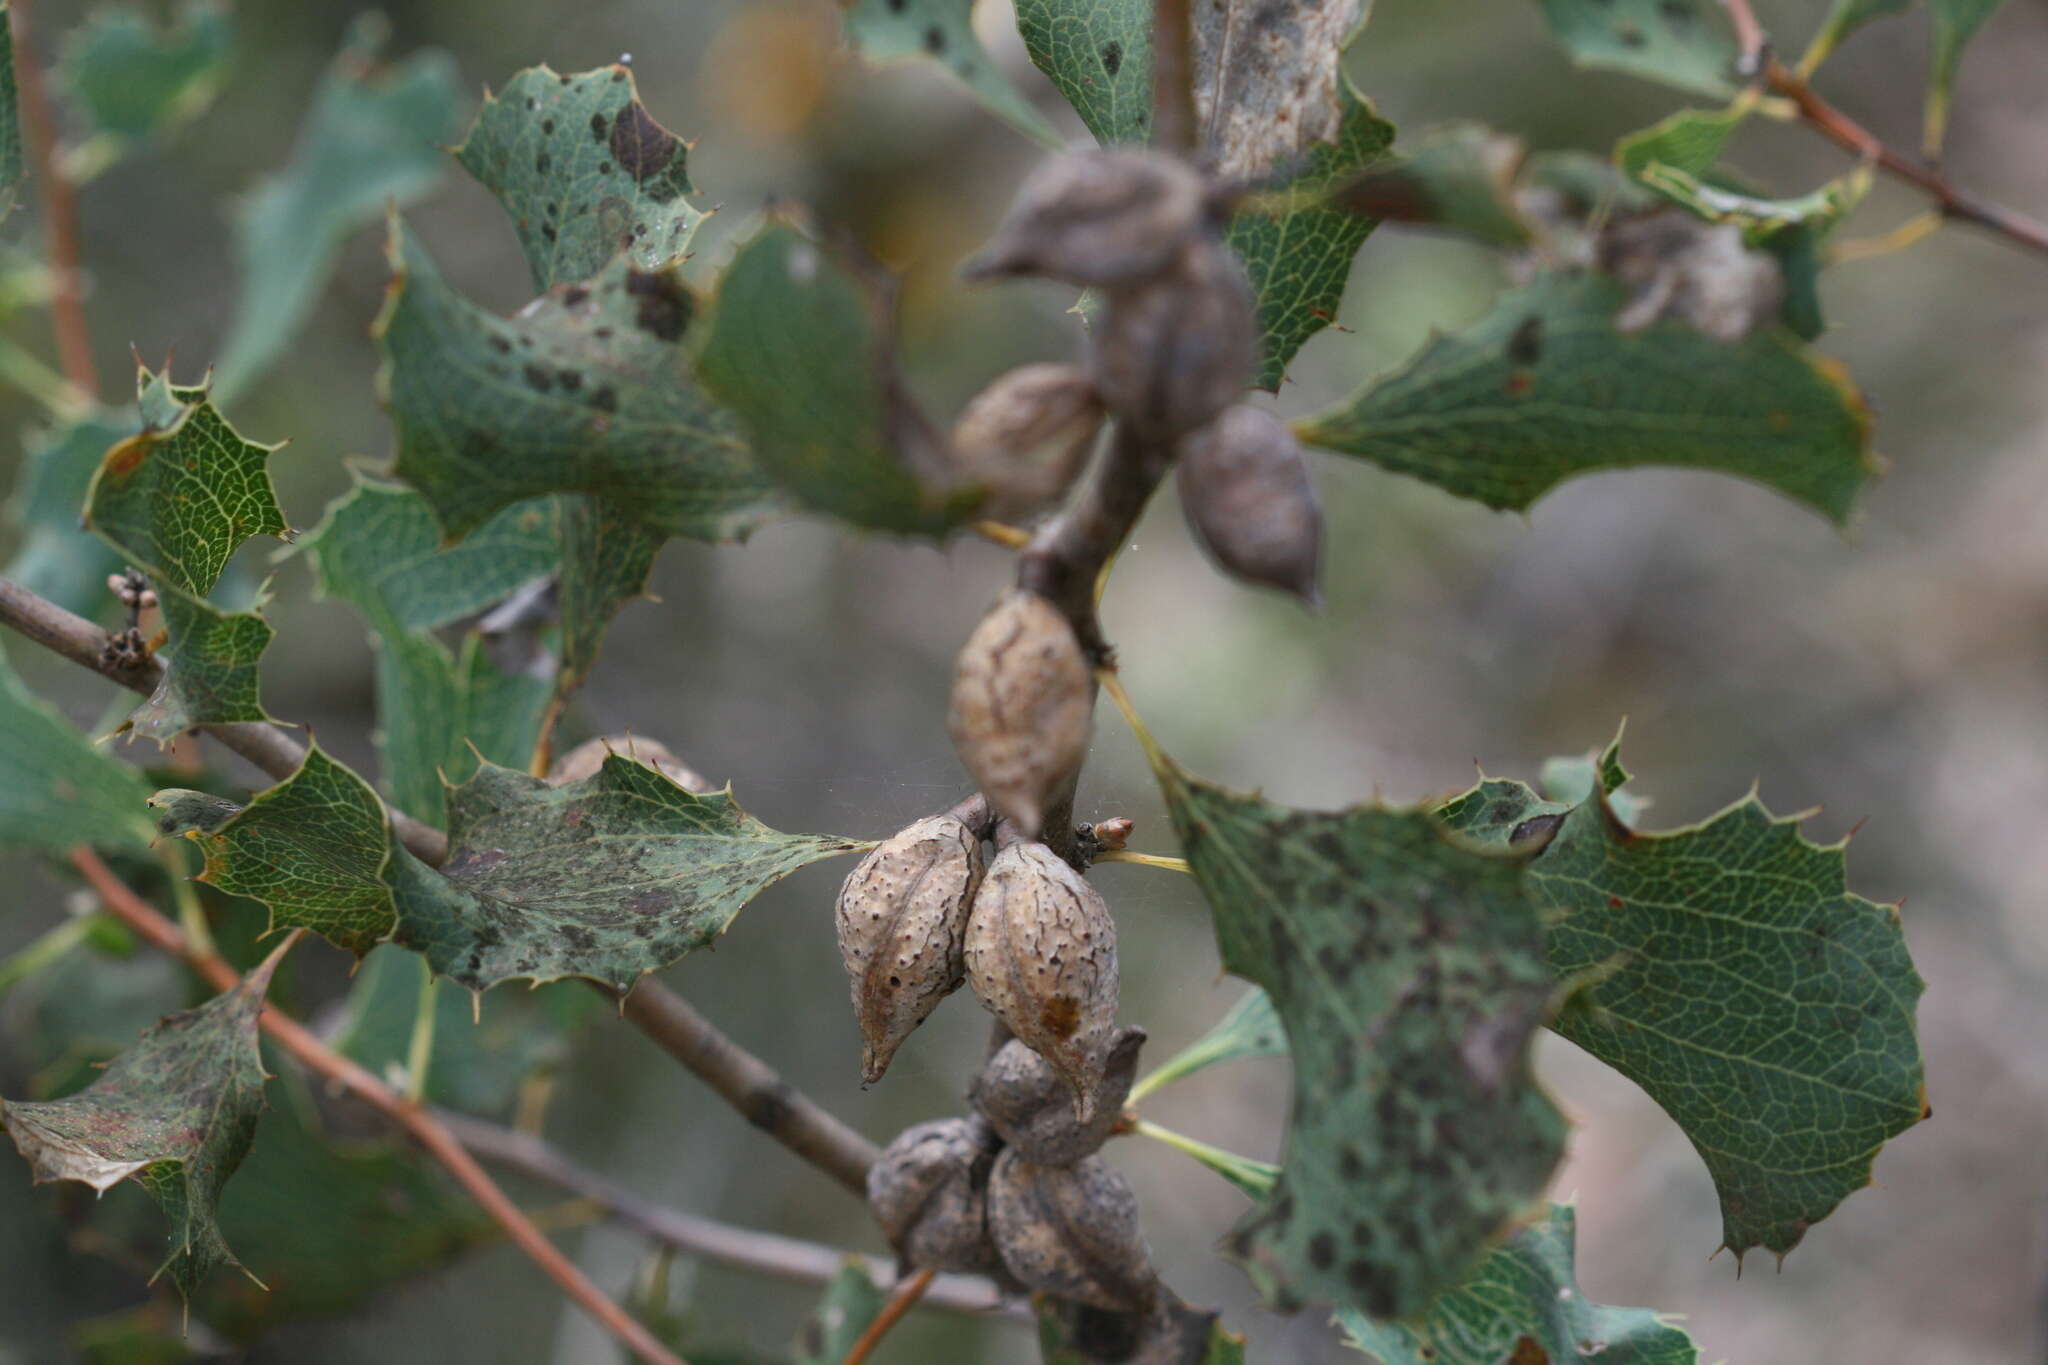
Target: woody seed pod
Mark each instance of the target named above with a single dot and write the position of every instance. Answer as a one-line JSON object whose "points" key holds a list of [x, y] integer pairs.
{"points": [[902, 923], [1022, 697], [1171, 353], [1071, 1231], [929, 1192], [1096, 218], [1245, 488], [1025, 436], [1030, 1107], [1041, 955]]}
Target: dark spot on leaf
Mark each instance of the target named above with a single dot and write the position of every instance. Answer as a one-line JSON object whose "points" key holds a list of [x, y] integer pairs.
{"points": [[547, 232], [543, 163], [1374, 1289], [1112, 57], [501, 346], [1525, 347], [1676, 13], [1350, 1165], [896, 6], [1630, 35], [605, 399], [547, 125], [569, 380], [639, 144], [664, 306], [604, 168], [539, 378], [934, 40], [598, 126], [1527, 1352], [1322, 1251], [575, 294]]}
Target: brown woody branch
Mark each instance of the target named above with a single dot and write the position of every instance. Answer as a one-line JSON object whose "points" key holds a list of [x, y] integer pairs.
{"points": [[60, 208], [425, 1129]]}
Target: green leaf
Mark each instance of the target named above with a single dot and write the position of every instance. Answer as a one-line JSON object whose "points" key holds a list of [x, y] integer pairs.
{"points": [[211, 668], [585, 391], [1523, 1304], [1544, 388], [1252, 1177], [133, 80], [1738, 981], [313, 848], [942, 32], [1955, 23], [1845, 18], [608, 878], [374, 137], [177, 1111], [11, 164], [1408, 968], [379, 550], [606, 559], [1690, 140], [1251, 1029], [801, 348], [851, 1304], [1459, 177], [584, 171], [1682, 43], [1099, 55], [59, 559], [178, 498], [56, 789]]}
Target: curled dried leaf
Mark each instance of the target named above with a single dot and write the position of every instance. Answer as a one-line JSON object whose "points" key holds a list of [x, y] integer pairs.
{"points": [[1025, 437], [1245, 487], [1041, 955], [902, 918], [929, 1192], [1097, 218], [1022, 700], [1071, 1231], [1032, 1108], [1700, 273], [1171, 353]]}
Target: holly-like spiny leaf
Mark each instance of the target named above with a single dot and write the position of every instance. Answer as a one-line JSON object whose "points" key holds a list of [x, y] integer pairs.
{"points": [[133, 80], [607, 556], [584, 171], [1408, 968], [942, 32], [1682, 43], [210, 668], [437, 709], [313, 848], [608, 878], [1544, 388], [1297, 257], [802, 348], [1736, 979], [56, 789], [374, 137], [177, 1111], [1252, 1028], [587, 390], [1523, 1304]]}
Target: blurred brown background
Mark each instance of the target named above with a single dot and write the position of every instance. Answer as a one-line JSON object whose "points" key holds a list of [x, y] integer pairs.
{"points": [[1897, 676]]}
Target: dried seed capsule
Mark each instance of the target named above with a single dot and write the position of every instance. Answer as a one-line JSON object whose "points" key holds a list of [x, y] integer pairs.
{"points": [[586, 758], [1170, 354], [1022, 698], [902, 928], [1698, 272], [1096, 218], [1245, 487], [1071, 1231], [929, 1192], [1025, 436], [1032, 1109], [1041, 954]]}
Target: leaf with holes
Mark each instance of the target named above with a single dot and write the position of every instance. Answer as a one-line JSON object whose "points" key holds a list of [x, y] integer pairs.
{"points": [[585, 391], [379, 550], [1681, 43], [177, 1112], [313, 848], [1408, 969], [1735, 978], [942, 32], [803, 349], [1254, 61], [374, 138], [133, 80], [56, 789], [584, 171], [1523, 1304], [608, 878], [1545, 388]]}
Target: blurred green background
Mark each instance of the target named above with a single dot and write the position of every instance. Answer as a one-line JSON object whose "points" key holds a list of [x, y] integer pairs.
{"points": [[1893, 679]]}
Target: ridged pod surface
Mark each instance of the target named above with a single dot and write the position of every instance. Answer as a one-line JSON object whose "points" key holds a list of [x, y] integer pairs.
{"points": [[929, 1192], [1096, 218], [1025, 437], [1245, 487], [1032, 1109], [1071, 1231], [902, 920], [1022, 700], [1170, 354]]}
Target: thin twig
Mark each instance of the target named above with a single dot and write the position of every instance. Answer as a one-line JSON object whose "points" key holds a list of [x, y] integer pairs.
{"points": [[60, 207], [1173, 80], [907, 1294], [783, 1258], [424, 1128], [1837, 126]]}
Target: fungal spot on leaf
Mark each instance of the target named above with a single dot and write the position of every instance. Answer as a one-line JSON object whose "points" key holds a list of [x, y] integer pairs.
{"points": [[1630, 35], [640, 145], [539, 378], [664, 306], [934, 40], [1525, 346], [543, 163], [598, 126], [1112, 57]]}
